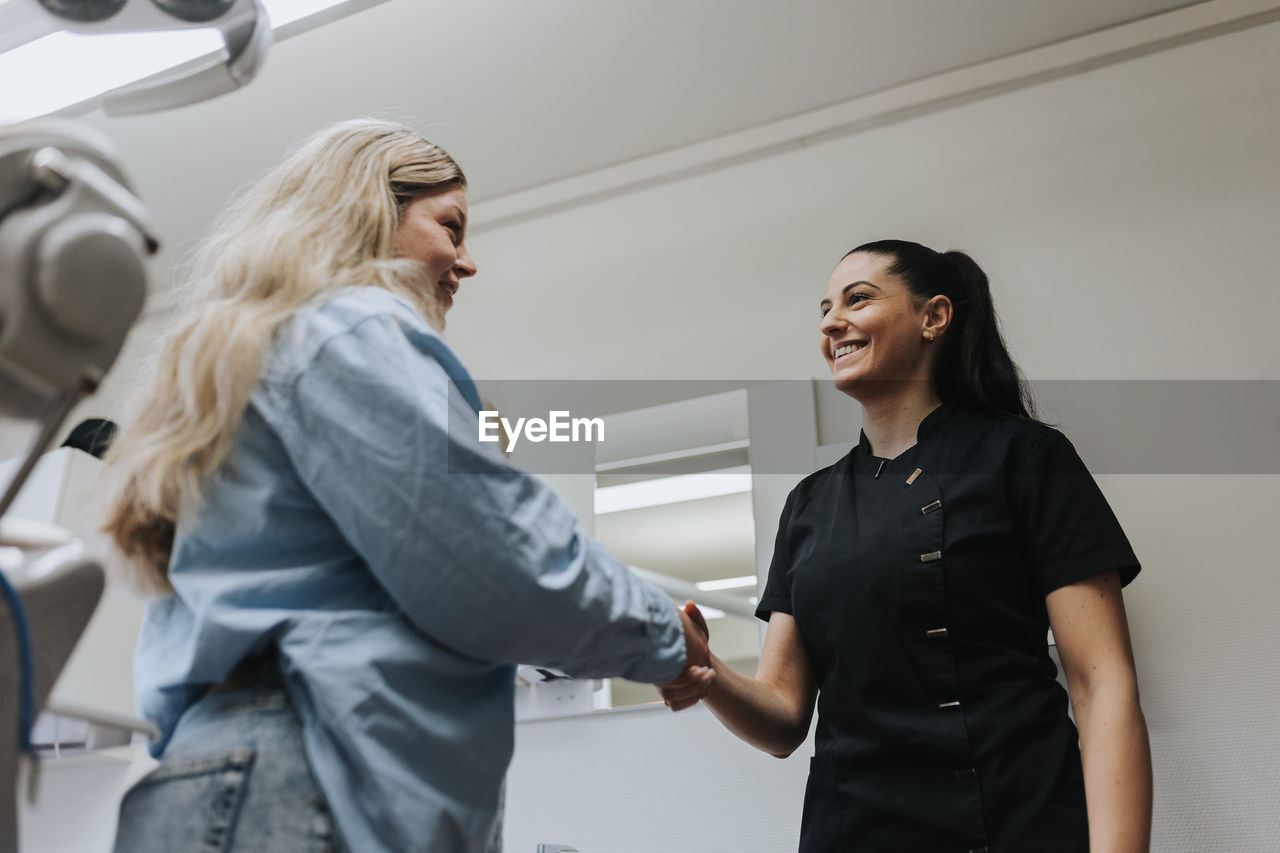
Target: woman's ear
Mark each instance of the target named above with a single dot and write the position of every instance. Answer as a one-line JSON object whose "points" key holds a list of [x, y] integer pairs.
{"points": [[937, 317]]}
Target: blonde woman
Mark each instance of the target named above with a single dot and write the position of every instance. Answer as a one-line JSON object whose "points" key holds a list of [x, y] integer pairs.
{"points": [[343, 574]]}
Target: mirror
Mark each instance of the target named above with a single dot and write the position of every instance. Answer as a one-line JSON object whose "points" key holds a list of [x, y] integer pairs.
{"points": [[673, 497]]}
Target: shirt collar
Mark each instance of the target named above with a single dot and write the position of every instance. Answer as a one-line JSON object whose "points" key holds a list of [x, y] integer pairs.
{"points": [[933, 420], [927, 426]]}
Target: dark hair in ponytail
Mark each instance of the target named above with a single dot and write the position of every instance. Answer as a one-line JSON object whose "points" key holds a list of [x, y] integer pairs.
{"points": [[972, 368]]}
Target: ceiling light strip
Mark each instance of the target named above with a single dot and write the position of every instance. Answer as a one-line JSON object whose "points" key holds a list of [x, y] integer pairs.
{"points": [[671, 456], [743, 582], [681, 590], [670, 490]]}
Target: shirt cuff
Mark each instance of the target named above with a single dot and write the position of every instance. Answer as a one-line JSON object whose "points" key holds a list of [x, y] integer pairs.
{"points": [[666, 631]]}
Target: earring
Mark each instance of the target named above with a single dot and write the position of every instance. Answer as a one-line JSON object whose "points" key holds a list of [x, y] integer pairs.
{"points": [[928, 336]]}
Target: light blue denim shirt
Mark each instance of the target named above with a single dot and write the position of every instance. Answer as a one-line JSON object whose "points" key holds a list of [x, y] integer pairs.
{"points": [[401, 568]]}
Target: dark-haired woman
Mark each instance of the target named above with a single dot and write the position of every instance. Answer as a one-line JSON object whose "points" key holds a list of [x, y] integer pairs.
{"points": [[912, 585]]}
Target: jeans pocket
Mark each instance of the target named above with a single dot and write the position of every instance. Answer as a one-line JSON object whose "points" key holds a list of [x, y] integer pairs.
{"points": [[189, 803]]}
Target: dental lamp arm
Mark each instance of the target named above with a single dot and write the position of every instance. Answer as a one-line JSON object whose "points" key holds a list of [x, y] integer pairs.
{"points": [[246, 34]]}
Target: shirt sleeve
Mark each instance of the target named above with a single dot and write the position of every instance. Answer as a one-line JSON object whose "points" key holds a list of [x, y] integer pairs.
{"points": [[477, 554], [777, 589], [1067, 526]]}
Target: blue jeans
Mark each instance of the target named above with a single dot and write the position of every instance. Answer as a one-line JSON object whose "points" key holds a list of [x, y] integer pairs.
{"points": [[233, 778]]}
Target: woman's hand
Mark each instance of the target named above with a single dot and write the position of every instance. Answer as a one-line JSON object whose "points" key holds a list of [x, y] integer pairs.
{"points": [[698, 675], [770, 711]]}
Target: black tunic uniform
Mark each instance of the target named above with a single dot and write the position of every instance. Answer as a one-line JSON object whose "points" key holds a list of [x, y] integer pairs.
{"points": [[918, 588]]}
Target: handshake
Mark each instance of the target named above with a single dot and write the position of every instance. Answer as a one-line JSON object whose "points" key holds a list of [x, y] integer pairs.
{"points": [[694, 682]]}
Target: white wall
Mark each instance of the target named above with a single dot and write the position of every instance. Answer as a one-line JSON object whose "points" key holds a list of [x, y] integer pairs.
{"points": [[1126, 215], [1128, 219], [636, 781], [79, 801]]}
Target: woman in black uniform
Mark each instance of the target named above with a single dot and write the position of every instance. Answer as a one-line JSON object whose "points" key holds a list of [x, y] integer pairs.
{"points": [[912, 585]]}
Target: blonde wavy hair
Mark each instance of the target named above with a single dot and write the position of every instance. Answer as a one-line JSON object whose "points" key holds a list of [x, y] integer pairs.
{"points": [[322, 220]]}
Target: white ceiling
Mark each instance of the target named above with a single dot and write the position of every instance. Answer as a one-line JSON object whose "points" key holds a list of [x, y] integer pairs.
{"points": [[524, 93]]}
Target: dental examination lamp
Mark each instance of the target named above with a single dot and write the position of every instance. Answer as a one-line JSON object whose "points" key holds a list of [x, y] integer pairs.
{"points": [[73, 245], [246, 34], [74, 240]]}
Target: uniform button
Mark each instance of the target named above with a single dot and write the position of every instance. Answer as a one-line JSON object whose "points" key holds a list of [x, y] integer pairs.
{"points": [[914, 474], [931, 556], [925, 510], [955, 704], [936, 634], [967, 773]]}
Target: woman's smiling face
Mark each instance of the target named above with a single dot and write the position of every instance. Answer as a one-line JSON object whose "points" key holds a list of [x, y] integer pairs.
{"points": [[433, 230], [873, 330]]}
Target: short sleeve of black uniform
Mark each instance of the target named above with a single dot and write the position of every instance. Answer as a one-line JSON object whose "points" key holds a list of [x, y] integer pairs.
{"points": [[1067, 526], [777, 589]]}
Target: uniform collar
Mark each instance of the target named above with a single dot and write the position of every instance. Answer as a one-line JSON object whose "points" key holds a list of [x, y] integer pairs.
{"points": [[933, 420], [927, 426]]}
